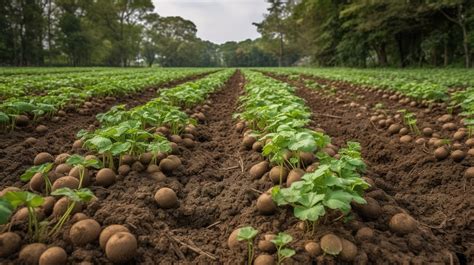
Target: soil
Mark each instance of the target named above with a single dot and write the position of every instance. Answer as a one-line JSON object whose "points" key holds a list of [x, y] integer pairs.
{"points": [[435, 192], [16, 156], [217, 195]]}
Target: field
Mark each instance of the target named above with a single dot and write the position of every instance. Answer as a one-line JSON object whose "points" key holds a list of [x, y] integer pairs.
{"points": [[236, 166]]}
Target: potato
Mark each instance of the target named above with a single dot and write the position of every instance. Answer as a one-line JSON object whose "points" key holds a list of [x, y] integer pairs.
{"points": [[61, 158], [137, 166], [394, 128], [30, 141], [53, 256], [470, 142], [370, 210], [278, 173], [67, 181], [313, 249], [41, 129], [123, 170], [127, 160], [105, 177], [110, 231], [311, 168], [188, 136], [166, 198], [48, 205], [450, 126], [441, 153], [405, 139], [469, 173], [294, 175], [176, 139], [21, 120], [232, 241], [152, 168], [329, 151], [420, 141], [266, 245], [349, 250], [76, 171], [61, 205], [248, 141], [84, 232], [257, 170], [264, 259], [403, 131], [168, 165], [79, 217], [239, 127], [307, 158], [188, 143], [402, 224], [62, 170], [257, 146], [30, 254], [458, 155], [77, 144], [459, 135], [9, 244], [7, 189], [37, 183], [146, 158], [158, 176], [42, 158], [265, 204], [331, 244], [121, 247], [364, 233]]}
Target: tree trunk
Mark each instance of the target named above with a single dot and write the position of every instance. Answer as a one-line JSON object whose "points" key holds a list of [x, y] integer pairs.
{"points": [[446, 54], [381, 55], [466, 46]]}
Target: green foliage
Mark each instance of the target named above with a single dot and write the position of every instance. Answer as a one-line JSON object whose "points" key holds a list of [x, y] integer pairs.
{"points": [[248, 234], [280, 241]]}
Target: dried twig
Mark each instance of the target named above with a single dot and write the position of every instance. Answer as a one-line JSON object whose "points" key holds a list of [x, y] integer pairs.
{"points": [[241, 162], [328, 115], [229, 168], [214, 224], [257, 191], [176, 249], [194, 248]]}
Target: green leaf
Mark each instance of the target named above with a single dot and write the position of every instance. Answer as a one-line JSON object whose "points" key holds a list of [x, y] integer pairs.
{"points": [[247, 233], [17, 198], [6, 210], [81, 195], [43, 169], [282, 239], [287, 252]]}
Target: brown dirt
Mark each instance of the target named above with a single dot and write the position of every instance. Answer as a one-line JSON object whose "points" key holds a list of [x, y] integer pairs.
{"points": [[216, 196], [16, 156], [434, 192]]}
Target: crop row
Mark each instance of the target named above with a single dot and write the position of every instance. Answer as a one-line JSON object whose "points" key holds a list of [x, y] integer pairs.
{"points": [[22, 109], [311, 175], [138, 138]]}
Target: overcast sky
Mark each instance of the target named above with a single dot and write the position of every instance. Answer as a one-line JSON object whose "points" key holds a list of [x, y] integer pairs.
{"points": [[217, 20]]}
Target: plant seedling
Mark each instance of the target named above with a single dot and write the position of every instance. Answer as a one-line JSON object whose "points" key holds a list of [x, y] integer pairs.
{"points": [[75, 196], [248, 233], [13, 199], [77, 160], [280, 241], [44, 170]]}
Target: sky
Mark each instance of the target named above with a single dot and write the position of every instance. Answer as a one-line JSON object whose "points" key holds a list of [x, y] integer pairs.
{"points": [[217, 20]]}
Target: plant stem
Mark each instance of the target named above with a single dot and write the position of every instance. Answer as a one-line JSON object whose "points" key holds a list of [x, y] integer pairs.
{"points": [[63, 219]]}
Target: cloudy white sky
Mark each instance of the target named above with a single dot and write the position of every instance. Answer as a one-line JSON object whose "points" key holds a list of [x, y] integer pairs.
{"points": [[217, 20]]}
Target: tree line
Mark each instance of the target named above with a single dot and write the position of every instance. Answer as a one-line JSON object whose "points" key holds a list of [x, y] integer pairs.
{"points": [[370, 32], [358, 33]]}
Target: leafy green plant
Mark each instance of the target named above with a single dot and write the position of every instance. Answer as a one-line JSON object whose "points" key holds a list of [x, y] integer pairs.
{"points": [[43, 169], [334, 185], [74, 196], [280, 241], [409, 119], [82, 163], [13, 199], [248, 234]]}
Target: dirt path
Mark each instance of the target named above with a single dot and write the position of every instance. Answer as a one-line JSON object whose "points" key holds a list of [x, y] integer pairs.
{"points": [[435, 192], [16, 156]]}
